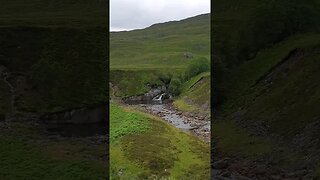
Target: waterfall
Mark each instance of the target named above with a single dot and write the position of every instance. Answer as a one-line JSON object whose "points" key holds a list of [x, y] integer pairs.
{"points": [[159, 97]]}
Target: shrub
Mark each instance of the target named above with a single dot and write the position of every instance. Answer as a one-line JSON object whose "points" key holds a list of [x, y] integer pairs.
{"points": [[196, 67], [175, 86], [165, 78]]}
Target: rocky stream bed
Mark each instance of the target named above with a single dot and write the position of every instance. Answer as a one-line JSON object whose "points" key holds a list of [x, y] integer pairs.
{"points": [[198, 125]]}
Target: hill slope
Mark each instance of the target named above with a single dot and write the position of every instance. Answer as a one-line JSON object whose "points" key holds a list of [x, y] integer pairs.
{"points": [[166, 45], [150, 57]]}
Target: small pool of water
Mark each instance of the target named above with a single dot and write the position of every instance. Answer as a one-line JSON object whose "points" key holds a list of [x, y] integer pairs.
{"points": [[77, 130]]}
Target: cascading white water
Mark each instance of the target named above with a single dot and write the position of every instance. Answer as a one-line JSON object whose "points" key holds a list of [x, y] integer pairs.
{"points": [[159, 98]]}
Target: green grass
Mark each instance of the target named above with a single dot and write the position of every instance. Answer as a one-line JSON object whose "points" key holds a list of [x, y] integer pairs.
{"points": [[160, 151], [195, 94], [139, 58], [162, 45], [126, 123]]}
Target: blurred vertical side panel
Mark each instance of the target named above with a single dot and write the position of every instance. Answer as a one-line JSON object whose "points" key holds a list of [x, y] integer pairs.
{"points": [[266, 88], [53, 89]]}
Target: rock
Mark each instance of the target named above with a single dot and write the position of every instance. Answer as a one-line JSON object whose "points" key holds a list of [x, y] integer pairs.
{"points": [[188, 55]]}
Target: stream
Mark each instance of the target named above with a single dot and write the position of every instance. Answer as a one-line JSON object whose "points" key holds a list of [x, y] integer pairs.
{"points": [[187, 122]]}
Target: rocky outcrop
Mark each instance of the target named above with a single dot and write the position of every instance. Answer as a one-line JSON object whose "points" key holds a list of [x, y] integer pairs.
{"points": [[78, 116], [147, 97]]}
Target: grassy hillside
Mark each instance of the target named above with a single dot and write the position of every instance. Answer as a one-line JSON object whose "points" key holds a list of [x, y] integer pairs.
{"points": [[161, 45], [194, 95], [266, 82], [146, 58], [142, 146]]}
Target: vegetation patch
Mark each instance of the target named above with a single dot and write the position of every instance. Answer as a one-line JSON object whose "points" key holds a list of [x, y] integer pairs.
{"points": [[168, 45], [161, 151], [195, 94], [125, 122], [130, 82]]}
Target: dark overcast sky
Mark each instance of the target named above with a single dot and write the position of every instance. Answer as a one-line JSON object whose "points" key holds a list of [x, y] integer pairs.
{"points": [[137, 14]]}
